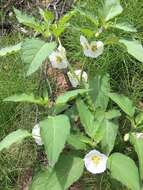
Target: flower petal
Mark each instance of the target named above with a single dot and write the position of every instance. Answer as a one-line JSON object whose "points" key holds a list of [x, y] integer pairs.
{"points": [[36, 134], [91, 166], [84, 42], [58, 60], [73, 79]]}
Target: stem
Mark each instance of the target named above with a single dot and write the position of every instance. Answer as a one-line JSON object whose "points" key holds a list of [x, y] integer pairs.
{"points": [[82, 70]]}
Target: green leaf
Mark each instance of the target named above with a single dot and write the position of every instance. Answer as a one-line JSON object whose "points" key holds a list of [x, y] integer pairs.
{"points": [[14, 137], [124, 170], [124, 103], [90, 124], [62, 24], [70, 95], [139, 118], [111, 114], [125, 26], [111, 9], [26, 98], [47, 15], [54, 133], [29, 21], [110, 133], [68, 170], [63, 20], [137, 142], [86, 118], [87, 32], [77, 144], [10, 50], [100, 87], [34, 52], [134, 48]]}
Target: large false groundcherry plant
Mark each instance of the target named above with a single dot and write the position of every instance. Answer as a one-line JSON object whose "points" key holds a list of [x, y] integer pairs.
{"points": [[82, 125]]}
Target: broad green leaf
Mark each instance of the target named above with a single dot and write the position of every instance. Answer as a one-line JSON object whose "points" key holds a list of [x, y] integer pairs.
{"points": [[68, 170], [90, 124], [125, 26], [54, 133], [137, 142], [111, 9], [70, 95], [124, 103], [65, 19], [14, 137], [47, 15], [34, 52], [139, 118], [134, 48], [27, 20], [10, 50], [75, 140], [124, 170], [86, 118], [62, 24], [87, 32], [26, 98], [100, 87], [110, 133], [111, 114]]}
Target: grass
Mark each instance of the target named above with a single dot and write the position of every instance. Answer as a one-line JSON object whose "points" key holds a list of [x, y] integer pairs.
{"points": [[126, 77], [14, 116]]}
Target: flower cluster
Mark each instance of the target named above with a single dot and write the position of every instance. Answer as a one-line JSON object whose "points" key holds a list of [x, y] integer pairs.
{"points": [[59, 60]]}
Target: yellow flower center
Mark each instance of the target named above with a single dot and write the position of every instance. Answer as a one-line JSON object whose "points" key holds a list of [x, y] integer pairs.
{"points": [[58, 59], [93, 48], [96, 159]]}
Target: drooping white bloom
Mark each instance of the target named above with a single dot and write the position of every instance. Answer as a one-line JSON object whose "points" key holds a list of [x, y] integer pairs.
{"points": [[95, 162], [93, 49], [36, 134], [78, 73], [58, 58]]}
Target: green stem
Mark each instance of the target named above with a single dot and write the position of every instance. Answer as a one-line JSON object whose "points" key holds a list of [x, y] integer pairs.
{"points": [[82, 70]]}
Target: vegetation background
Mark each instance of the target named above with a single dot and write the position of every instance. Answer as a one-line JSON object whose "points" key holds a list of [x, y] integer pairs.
{"points": [[17, 166]]}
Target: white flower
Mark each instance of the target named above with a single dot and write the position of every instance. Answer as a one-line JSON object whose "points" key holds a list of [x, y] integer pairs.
{"points": [[139, 135], [74, 80], [93, 49], [95, 162], [36, 134], [126, 137], [58, 58]]}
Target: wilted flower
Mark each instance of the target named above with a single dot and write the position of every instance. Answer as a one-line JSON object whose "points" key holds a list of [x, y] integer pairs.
{"points": [[58, 58], [93, 49], [36, 134], [95, 162], [74, 80]]}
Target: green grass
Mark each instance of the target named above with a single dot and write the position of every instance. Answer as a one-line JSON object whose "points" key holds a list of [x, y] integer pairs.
{"points": [[126, 77], [14, 116]]}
